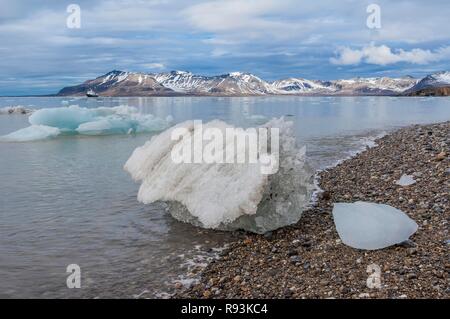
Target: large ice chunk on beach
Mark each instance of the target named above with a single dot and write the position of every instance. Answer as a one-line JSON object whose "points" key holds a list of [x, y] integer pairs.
{"points": [[224, 195], [365, 225], [73, 120]]}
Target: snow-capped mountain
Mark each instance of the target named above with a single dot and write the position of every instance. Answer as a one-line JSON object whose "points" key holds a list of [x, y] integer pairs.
{"points": [[374, 86], [235, 83], [298, 86], [433, 84], [435, 80], [183, 82], [119, 83]]}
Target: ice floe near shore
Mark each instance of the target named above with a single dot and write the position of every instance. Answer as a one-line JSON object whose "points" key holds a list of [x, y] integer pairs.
{"points": [[224, 196], [51, 122], [371, 226]]}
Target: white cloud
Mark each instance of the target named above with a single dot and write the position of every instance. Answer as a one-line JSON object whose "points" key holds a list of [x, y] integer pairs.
{"points": [[243, 20], [347, 56], [384, 55], [221, 16], [154, 66]]}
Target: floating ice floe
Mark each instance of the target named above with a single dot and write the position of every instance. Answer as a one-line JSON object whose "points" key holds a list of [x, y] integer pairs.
{"points": [[15, 110], [224, 196], [371, 226], [406, 180], [31, 133], [72, 120]]}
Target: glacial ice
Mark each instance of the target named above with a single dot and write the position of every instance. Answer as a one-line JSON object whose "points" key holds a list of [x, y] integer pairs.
{"points": [[224, 196], [406, 180], [371, 226], [78, 120], [31, 133], [64, 118]]}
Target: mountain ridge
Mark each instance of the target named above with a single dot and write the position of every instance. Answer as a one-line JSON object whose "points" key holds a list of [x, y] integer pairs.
{"points": [[184, 83]]}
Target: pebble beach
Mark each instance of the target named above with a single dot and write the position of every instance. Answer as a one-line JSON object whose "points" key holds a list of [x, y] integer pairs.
{"points": [[308, 259]]}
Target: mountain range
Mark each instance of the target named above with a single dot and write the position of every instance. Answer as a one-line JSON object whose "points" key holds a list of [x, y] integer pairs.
{"points": [[179, 83]]}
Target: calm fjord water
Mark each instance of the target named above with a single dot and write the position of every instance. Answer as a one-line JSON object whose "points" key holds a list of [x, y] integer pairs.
{"points": [[68, 201]]}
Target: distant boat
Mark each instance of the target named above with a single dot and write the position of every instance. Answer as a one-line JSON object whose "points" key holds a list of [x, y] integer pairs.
{"points": [[91, 93]]}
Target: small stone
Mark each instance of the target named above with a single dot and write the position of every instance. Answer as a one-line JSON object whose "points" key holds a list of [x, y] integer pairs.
{"points": [[287, 293], [364, 295], [441, 156], [292, 252], [326, 195], [407, 244], [307, 244], [437, 208], [346, 290], [178, 285], [295, 259], [411, 276], [237, 278], [324, 282], [206, 293]]}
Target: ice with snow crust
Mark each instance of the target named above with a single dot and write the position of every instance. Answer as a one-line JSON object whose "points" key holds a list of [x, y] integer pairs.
{"points": [[224, 196]]}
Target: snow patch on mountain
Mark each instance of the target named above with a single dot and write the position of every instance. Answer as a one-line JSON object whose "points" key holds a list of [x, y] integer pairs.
{"points": [[298, 85], [442, 77]]}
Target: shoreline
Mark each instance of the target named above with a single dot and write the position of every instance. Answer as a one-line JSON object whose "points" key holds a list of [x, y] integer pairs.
{"points": [[308, 260]]}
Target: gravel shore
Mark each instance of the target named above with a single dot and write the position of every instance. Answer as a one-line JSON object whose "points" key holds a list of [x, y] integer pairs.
{"points": [[308, 260]]}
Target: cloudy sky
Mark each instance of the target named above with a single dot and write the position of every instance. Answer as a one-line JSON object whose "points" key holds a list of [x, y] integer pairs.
{"points": [[273, 39]]}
